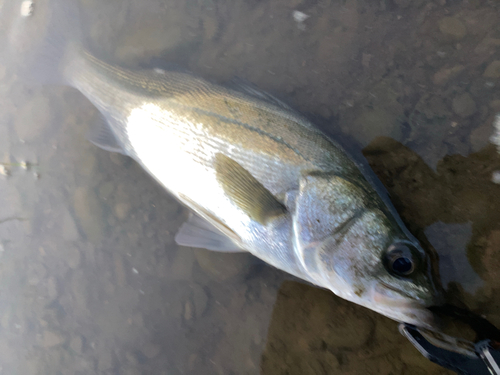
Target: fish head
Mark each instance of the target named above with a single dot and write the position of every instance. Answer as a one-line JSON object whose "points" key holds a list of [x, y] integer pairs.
{"points": [[353, 246]]}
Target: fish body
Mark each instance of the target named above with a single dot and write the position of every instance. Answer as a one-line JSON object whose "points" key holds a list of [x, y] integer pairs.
{"points": [[175, 125], [260, 178]]}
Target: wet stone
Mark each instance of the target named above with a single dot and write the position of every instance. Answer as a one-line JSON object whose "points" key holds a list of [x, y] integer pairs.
{"points": [[222, 266], [52, 288], [89, 212], [71, 255], [131, 357], [152, 38], [105, 361], [444, 75], [495, 177], [453, 27], [69, 228], [210, 27], [463, 105], [495, 105], [150, 350], [480, 136], [492, 70], [36, 273], [372, 123], [106, 189], [121, 210], [188, 311], [52, 339], [76, 344], [199, 299]]}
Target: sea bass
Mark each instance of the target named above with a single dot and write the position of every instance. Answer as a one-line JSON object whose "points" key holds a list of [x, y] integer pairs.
{"points": [[258, 176]]}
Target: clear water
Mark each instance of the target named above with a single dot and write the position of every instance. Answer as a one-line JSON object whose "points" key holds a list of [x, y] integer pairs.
{"points": [[91, 280]]}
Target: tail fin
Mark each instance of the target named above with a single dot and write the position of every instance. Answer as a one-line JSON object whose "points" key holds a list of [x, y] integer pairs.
{"points": [[39, 38]]}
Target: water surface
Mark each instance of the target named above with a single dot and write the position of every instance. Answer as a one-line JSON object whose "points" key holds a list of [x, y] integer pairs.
{"points": [[91, 280]]}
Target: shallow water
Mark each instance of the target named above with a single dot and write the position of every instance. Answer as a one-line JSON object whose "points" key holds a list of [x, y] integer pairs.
{"points": [[91, 280]]}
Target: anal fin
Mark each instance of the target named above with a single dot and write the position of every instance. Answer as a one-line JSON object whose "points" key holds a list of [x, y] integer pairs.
{"points": [[102, 136], [197, 232]]}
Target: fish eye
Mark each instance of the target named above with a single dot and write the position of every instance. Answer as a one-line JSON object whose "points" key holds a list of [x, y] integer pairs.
{"points": [[400, 259]]}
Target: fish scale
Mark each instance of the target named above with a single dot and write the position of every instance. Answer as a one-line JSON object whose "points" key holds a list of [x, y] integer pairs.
{"points": [[258, 176]]}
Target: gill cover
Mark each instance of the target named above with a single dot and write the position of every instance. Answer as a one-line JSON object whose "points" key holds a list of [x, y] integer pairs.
{"points": [[326, 207]]}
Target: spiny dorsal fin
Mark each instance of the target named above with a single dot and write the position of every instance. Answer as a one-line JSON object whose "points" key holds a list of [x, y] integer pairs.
{"points": [[243, 86], [246, 192]]}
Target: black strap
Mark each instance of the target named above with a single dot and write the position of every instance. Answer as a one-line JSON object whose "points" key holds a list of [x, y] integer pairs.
{"points": [[483, 361]]}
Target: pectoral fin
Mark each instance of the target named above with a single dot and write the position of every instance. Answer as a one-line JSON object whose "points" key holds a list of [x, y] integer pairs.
{"points": [[246, 192], [197, 232]]}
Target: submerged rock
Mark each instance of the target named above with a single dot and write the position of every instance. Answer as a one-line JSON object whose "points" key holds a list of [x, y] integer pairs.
{"points": [[492, 70], [372, 123], [464, 105], [52, 339], [453, 27]]}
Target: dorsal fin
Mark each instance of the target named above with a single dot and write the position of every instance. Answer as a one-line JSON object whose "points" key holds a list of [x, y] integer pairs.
{"points": [[243, 86]]}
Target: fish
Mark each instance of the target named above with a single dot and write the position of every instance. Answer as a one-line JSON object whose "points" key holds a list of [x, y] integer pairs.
{"points": [[258, 176]]}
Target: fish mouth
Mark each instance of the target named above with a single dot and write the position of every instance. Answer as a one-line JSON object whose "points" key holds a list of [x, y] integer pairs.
{"points": [[402, 308]]}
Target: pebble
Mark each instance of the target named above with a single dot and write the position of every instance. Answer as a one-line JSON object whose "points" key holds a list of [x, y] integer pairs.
{"points": [[121, 210], [89, 212], [69, 229], [210, 27], [495, 177], [72, 257], [105, 361], [52, 288], [445, 74], [492, 70], [52, 339], [131, 357], [152, 38], [4, 171], [463, 105], [150, 350], [495, 105], [222, 266], [106, 189], [372, 123], [188, 311], [76, 344], [200, 300], [452, 26], [479, 137], [36, 273]]}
